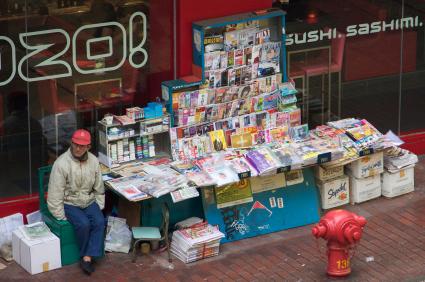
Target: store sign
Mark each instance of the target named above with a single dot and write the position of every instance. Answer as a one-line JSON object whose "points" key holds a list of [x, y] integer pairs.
{"points": [[55, 60], [353, 30]]}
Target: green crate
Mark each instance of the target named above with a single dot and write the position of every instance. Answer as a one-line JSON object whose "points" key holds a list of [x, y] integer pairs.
{"points": [[62, 228]]}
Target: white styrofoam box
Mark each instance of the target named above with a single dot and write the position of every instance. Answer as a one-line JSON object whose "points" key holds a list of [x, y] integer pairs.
{"points": [[334, 192], [367, 166], [398, 183], [364, 189], [38, 255], [324, 174]]}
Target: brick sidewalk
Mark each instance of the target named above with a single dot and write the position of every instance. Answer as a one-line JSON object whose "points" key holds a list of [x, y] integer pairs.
{"points": [[394, 242]]}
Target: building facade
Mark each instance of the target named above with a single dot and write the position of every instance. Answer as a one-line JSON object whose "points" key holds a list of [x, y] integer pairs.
{"points": [[65, 63]]}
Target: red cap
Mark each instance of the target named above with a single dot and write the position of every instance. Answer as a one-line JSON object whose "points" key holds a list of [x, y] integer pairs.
{"points": [[81, 137]]}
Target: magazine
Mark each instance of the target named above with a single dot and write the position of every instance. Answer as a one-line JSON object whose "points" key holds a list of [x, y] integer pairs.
{"points": [[263, 161], [184, 194], [129, 187], [218, 140], [223, 175]]}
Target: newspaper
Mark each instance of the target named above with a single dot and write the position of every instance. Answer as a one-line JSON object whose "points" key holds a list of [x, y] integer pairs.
{"points": [[34, 231], [129, 187]]}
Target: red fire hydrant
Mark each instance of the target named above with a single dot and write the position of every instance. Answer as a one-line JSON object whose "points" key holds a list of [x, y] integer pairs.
{"points": [[342, 229]]}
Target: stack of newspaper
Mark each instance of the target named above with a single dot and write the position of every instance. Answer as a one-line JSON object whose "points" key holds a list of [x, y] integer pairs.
{"points": [[197, 242], [397, 158]]}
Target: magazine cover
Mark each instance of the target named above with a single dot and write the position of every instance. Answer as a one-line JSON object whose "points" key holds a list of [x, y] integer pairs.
{"points": [[256, 52], [239, 75], [247, 60], [262, 120], [231, 40], [213, 43], [261, 137], [218, 140], [270, 100], [212, 61], [215, 78], [262, 36], [224, 77], [223, 60], [244, 91], [194, 99], [299, 133], [262, 160], [182, 100], [203, 97], [279, 133], [211, 96], [231, 58], [228, 135], [242, 140], [231, 77], [221, 111], [295, 117], [247, 37], [176, 100], [220, 94], [238, 57], [187, 96], [214, 113], [270, 52]]}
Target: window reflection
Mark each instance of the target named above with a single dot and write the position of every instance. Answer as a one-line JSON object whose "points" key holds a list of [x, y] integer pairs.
{"points": [[95, 74]]}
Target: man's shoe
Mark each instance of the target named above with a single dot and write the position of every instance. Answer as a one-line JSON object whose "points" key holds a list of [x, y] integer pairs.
{"points": [[87, 267]]}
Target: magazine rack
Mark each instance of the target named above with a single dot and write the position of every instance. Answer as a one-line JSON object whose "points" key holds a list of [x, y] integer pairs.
{"points": [[273, 19], [238, 69], [135, 138]]}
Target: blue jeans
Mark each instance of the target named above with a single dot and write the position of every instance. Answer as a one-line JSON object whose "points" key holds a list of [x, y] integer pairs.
{"points": [[89, 226]]}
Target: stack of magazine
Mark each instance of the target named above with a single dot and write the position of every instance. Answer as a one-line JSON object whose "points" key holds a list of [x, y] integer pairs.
{"points": [[197, 242]]}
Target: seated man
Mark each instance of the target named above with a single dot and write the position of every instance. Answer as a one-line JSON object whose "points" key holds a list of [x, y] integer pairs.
{"points": [[76, 194]]}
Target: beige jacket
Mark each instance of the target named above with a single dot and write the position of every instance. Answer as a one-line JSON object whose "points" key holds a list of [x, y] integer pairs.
{"points": [[74, 183]]}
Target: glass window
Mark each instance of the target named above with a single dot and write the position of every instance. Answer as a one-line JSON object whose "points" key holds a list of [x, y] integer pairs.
{"points": [[63, 65], [374, 67]]}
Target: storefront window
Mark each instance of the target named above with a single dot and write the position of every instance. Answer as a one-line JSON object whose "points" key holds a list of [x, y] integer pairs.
{"points": [[376, 61], [63, 65]]}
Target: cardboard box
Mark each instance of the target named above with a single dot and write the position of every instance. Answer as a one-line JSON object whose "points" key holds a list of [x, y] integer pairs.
{"points": [[334, 192], [324, 174], [367, 166], [36, 256], [398, 183], [364, 189]]}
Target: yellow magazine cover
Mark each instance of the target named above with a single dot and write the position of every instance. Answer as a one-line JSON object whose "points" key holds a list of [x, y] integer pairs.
{"points": [[218, 141], [242, 140]]}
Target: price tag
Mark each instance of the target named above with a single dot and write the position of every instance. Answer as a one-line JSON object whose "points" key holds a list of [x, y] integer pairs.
{"points": [[283, 169], [324, 158], [366, 152]]}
